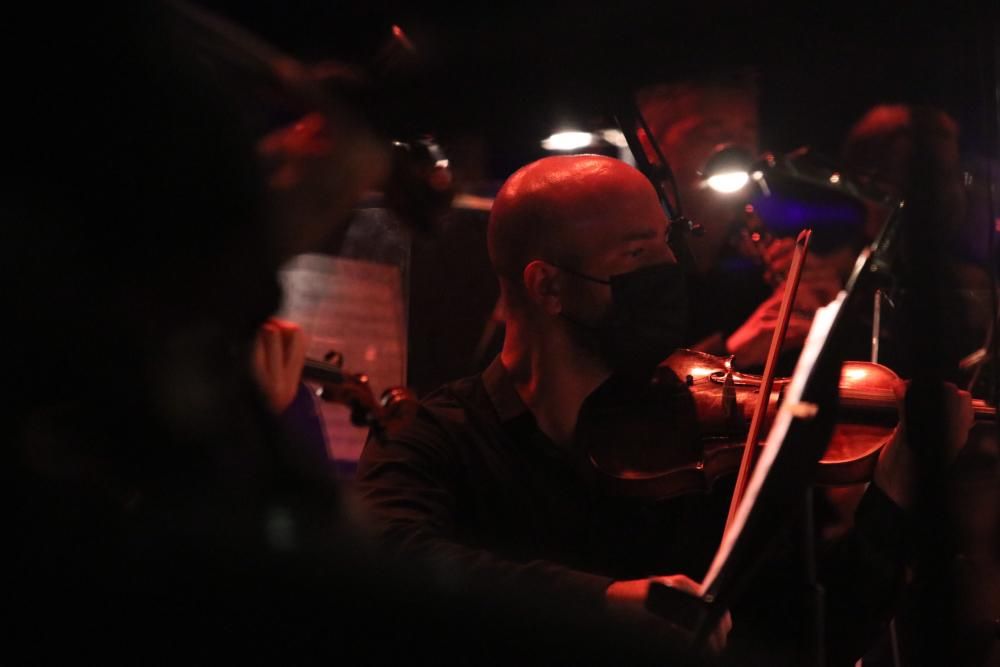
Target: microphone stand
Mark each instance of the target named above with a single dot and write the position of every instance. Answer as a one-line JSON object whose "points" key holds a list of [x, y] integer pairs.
{"points": [[811, 433], [629, 119]]}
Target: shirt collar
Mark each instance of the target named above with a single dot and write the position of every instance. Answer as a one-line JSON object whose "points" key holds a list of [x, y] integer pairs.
{"points": [[500, 388]]}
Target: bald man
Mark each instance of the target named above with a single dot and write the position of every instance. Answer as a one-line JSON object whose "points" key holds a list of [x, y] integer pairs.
{"points": [[490, 481]]}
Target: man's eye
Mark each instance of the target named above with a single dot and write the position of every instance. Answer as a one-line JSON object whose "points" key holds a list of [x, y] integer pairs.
{"points": [[636, 252]]}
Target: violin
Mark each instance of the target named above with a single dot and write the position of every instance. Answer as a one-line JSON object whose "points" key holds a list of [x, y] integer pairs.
{"points": [[396, 407], [709, 407]]}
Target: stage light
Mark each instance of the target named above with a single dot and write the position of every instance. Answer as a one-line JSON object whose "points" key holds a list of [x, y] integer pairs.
{"points": [[728, 170], [569, 140], [728, 182]]}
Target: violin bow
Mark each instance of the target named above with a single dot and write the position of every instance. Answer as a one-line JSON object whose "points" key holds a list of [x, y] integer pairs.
{"points": [[767, 379]]}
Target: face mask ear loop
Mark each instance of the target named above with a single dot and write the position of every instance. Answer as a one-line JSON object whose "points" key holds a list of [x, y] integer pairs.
{"points": [[573, 320], [580, 275]]}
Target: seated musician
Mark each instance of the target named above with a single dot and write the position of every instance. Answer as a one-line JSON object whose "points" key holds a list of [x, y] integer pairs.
{"points": [[735, 296], [490, 483]]}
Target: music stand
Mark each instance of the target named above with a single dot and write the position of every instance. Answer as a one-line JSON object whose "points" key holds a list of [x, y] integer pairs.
{"points": [[785, 469]]}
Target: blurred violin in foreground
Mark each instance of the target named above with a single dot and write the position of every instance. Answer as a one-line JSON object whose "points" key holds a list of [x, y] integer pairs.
{"points": [[396, 406]]}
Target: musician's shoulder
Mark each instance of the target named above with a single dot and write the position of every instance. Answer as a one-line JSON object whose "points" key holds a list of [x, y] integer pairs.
{"points": [[443, 409], [449, 392]]}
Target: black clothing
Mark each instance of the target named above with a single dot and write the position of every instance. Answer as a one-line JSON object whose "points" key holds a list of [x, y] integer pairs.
{"points": [[131, 541], [722, 299], [476, 488]]}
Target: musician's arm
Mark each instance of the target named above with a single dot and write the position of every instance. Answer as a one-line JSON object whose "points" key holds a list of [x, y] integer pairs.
{"points": [[410, 487]]}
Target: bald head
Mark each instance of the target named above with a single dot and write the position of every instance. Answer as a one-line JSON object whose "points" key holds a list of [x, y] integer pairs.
{"points": [[562, 209]]}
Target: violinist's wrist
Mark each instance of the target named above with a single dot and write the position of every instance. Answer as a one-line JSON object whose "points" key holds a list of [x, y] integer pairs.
{"points": [[894, 472]]}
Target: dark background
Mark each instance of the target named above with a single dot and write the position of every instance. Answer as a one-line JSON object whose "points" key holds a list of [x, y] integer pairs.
{"points": [[510, 73], [490, 82]]}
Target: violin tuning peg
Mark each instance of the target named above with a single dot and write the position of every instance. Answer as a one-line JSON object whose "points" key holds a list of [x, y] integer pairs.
{"points": [[400, 404]]}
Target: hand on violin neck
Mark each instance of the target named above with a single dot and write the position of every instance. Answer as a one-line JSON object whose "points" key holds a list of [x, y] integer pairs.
{"points": [[279, 353], [896, 471], [628, 599], [752, 340]]}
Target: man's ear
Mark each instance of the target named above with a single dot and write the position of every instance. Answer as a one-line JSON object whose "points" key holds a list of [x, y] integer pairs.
{"points": [[542, 284]]}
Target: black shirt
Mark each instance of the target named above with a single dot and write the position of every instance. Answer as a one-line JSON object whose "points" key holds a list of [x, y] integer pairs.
{"points": [[722, 299], [475, 486]]}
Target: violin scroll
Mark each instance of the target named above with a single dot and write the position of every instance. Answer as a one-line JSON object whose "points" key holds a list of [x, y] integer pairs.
{"points": [[394, 408]]}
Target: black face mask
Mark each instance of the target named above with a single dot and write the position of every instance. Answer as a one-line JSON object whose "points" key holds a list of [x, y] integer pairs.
{"points": [[646, 321]]}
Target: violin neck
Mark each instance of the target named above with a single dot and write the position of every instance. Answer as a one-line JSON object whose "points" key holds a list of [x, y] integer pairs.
{"points": [[321, 371], [885, 403]]}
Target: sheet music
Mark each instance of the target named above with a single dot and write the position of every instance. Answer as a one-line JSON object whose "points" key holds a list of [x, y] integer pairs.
{"points": [[356, 308], [814, 343]]}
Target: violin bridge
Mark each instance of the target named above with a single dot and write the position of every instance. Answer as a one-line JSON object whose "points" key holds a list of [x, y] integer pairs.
{"points": [[732, 412]]}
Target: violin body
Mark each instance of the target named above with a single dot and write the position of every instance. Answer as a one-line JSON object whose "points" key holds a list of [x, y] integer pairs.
{"points": [[711, 408]]}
